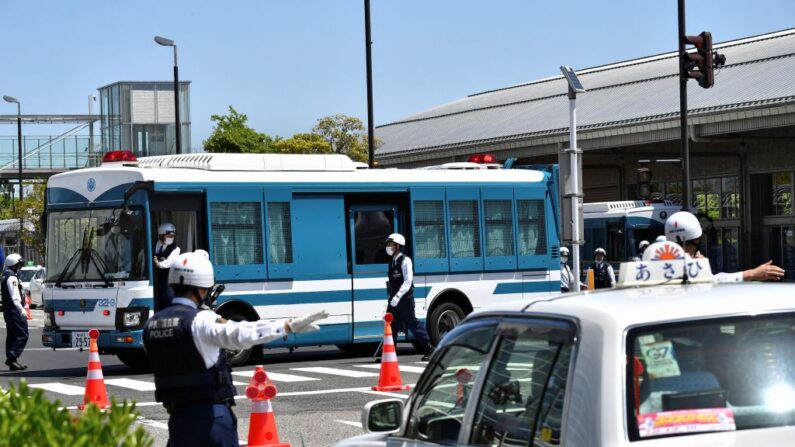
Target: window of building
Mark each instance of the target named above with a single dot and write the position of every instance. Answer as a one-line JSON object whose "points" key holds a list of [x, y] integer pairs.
{"points": [[236, 233], [499, 227], [707, 197], [781, 194], [464, 229], [429, 229], [532, 227], [730, 198], [280, 236]]}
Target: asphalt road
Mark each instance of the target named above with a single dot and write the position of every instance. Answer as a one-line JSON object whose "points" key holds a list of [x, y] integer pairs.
{"points": [[321, 390]]}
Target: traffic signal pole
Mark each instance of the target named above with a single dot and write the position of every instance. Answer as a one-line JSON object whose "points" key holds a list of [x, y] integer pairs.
{"points": [[683, 76]]}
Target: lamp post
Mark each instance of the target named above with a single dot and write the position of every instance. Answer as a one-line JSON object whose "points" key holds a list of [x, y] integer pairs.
{"points": [[19, 147], [170, 43]]}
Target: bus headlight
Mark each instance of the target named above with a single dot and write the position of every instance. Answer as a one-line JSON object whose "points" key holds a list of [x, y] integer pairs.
{"points": [[130, 318]]}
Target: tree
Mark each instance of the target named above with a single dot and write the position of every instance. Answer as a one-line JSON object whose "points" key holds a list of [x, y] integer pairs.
{"points": [[345, 134], [31, 208], [303, 143], [232, 134]]}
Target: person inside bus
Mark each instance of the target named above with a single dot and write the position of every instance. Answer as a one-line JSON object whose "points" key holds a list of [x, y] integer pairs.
{"points": [[400, 287], [603, 276], [166, 252], [684, 229], [117, 250], [565, 272], [641, 248]]}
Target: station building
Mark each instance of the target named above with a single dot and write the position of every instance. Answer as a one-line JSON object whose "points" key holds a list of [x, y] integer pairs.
{"points": [[742, 138]]}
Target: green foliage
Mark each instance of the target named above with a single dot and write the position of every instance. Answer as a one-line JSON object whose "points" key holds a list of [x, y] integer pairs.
{"points": [[232, 134], [303, 143], [28, 419], [346, 134], [31, 210]]}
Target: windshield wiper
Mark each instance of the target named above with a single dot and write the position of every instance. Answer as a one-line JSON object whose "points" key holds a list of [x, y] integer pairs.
{"points": [[86, 256]]}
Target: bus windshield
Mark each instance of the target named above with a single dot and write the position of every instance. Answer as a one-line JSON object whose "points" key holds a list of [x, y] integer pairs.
{"points": [[96, 245]]}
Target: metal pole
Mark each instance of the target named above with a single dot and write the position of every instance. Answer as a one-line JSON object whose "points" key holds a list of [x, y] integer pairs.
{"points": [[686, 199], [370, 127], [90, 130], [176, 103], [575, 199], [21, 209]]}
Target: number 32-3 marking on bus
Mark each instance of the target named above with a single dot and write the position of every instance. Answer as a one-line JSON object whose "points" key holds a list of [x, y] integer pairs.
{"points": [[106, 302]]}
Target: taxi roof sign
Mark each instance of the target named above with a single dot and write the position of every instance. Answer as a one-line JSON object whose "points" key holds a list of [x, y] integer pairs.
{"points": [[664, 262]]}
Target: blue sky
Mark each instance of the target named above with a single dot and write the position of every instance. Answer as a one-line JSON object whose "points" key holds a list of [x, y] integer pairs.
{"points": [[287, 63]]}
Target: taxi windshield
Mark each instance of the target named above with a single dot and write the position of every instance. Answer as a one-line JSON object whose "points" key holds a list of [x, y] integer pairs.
{"points": [[715, 375]]}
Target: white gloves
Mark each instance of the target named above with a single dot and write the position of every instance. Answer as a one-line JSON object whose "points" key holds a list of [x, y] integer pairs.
{"points": [[394, 302], [306, 323]]}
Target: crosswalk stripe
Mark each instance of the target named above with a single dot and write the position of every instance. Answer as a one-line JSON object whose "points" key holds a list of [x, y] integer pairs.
{"points": [[403, 368], [60, 388], [336, 371], [351, 423], [138, 385], [276, 377]]}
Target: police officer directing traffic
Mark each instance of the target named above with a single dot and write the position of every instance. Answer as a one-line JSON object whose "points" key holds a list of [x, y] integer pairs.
{"points": [[400, 288], [603, 276], [185, 346], [166, 252], [14, 313]]}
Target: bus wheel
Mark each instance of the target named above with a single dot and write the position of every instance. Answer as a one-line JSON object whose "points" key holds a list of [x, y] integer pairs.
{"points": [[134, 358], [236, 358], [443, 319]]}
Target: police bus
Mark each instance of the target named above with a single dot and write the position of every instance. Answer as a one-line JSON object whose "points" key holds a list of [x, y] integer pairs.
{"points": [[288, 235]]}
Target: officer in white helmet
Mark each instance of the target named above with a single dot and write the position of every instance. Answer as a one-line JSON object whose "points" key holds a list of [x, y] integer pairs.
{"points": [[641, 248], [166, 252], [400, 288], [185, 346], [566, 274], [684, 228], [603, 275], [13, 312]]}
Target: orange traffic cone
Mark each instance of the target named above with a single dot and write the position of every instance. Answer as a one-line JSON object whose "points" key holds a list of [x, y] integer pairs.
{"points": [[27, 307], [95, 383], [262, 424], [389, 379]]}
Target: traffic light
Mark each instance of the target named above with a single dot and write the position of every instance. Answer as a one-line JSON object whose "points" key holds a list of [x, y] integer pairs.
{"points": [[700, 65]]}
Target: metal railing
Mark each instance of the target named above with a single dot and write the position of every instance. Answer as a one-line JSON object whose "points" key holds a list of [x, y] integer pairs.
{"points": [[54, 152]]}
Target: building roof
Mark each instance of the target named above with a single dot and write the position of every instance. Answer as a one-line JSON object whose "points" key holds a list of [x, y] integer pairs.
{"points": [[12, 225], [759, 73]]}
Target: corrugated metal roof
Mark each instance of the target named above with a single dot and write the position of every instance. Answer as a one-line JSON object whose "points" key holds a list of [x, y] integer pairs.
{"points": [[759, 71], [9, 225]]}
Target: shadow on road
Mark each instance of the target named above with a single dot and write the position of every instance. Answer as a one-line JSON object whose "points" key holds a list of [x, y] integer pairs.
{"points": [[113, 370]]}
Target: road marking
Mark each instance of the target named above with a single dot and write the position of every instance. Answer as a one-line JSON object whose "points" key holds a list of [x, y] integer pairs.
{"points": [[51, 349], [351, 423], [336, 372], [60, 388], [276, 377], [384, 393], [403, 368], [151, 423], [138, 385]]}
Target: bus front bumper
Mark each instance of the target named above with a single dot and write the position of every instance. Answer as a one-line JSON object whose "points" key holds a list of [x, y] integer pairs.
{"points": [[108, 341]]}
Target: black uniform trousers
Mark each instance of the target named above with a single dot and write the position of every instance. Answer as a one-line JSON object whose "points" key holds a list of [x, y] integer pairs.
{"points": [[405, 318], [16, 332], [202, 425]]}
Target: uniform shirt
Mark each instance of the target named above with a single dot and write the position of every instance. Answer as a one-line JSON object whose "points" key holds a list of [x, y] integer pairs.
{"points": [[566, 275], [13, 288], [166, 264], [408, 275], [210, 336]]}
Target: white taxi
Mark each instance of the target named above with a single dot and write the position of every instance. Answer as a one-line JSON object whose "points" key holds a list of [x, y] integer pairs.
{"points": [[701, 364]]}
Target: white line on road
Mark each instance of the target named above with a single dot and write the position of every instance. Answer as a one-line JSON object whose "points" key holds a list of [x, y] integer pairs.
{"points": [[351, 423], [384, 393], [336, 372], [61, 388], [51, 349], [403, 368], [151, 423], [276, 377], [138, 385]]}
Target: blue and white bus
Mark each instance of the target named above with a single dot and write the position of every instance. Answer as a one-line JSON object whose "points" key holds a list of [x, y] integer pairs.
{"points": [[289, 234]]}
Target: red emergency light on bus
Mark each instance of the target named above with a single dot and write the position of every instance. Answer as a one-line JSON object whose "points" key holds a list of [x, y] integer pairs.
{"points": [[117, 156], [482, 158]]}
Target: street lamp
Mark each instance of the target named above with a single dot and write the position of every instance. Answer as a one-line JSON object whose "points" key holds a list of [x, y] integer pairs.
{"points": [[170, 43], [13, 100]]}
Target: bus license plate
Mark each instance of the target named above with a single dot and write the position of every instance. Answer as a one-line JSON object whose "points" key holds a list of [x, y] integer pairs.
{"points": [[80, 340]]}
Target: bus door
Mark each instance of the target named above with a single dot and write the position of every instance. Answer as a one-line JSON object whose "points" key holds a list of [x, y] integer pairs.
{"points": [[370, 225]]}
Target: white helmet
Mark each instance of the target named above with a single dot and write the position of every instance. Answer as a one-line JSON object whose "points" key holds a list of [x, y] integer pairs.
{"points": [[192, 269], [166, 227], [397, 238], [13, 259], [600, 251], [682, 225], [564, 251], [642, 244], [660, 238]]}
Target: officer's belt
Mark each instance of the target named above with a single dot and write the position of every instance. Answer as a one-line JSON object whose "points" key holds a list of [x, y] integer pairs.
{"points": [[194, 379]]}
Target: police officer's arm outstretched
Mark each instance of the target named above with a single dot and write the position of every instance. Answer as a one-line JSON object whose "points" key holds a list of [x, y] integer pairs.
{"points": [[185, 348]]}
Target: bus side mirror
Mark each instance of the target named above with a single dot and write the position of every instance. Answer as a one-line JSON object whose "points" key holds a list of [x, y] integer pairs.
{"points": [[43, 225]]}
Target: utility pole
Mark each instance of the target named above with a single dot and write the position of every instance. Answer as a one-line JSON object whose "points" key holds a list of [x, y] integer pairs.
{"points": [[370, 126], [686, 199]]}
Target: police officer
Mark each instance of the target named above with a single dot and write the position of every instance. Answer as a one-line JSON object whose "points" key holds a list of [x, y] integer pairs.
{"points": [[117, 250], [566, 274], [603, 276], [684, 228], [14, 313], [641, 248], [400, 288], [185, 346], [166, 251]]}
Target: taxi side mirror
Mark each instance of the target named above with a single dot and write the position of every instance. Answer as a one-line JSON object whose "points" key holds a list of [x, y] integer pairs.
{"points": [[383, 416]]}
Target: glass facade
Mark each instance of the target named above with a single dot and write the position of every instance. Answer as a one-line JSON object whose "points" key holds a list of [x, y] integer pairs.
{"points": [[139, 116]]}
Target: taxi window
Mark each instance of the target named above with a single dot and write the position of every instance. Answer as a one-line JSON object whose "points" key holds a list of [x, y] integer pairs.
{"points": [[438, 411], [522, 397], [715, 375]]}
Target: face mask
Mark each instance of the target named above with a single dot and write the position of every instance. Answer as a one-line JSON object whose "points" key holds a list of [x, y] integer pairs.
{"points": [[390, 250], [115, 230], [564, 259], [168, 240]]}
